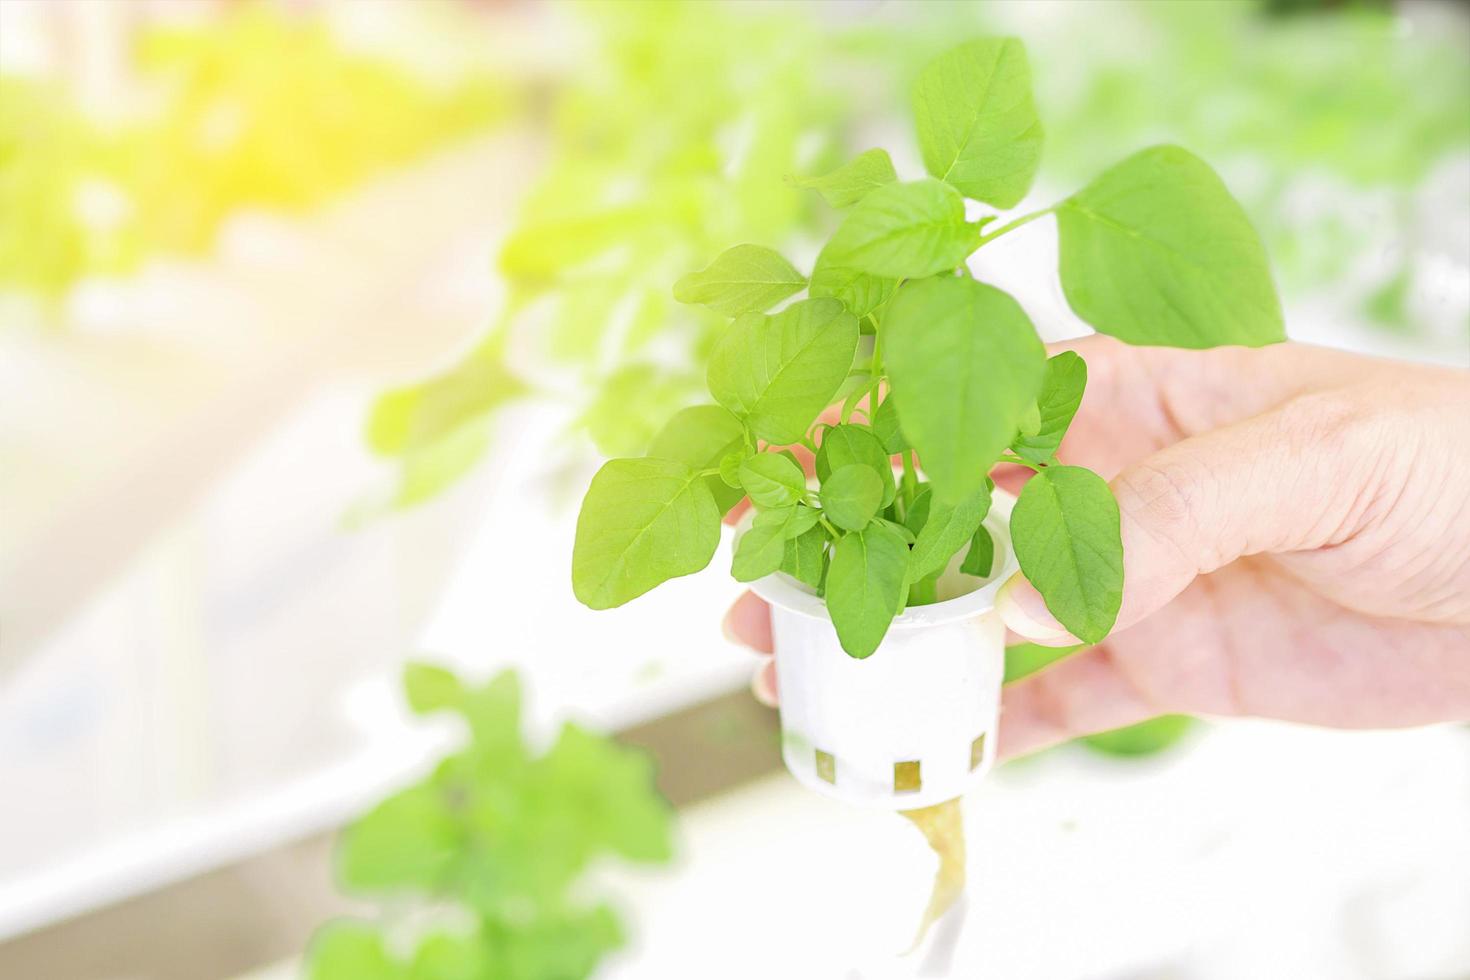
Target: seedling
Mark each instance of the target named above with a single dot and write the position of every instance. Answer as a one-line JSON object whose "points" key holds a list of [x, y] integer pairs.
{"points": [[481, 865], [926, 365]]}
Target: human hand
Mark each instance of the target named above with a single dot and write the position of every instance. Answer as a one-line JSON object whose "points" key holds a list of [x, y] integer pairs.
{"points": [[1296, 541]]}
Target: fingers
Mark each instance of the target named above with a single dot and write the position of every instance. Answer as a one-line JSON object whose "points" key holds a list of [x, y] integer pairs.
{"points": [[763, 682], [1139, 400], [1080, 695], [749, 623], [1291, 479]]}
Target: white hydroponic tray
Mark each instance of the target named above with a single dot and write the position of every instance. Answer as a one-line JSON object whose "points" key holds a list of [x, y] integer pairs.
{"points": [[1257, 849]]}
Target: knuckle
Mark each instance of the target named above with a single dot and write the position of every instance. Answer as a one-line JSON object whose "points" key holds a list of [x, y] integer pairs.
{"points": [[1163, 495], [1331, 422]]}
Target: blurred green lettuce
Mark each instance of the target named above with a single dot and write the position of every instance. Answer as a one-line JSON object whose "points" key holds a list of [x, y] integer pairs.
{"points": [[479, 866]]}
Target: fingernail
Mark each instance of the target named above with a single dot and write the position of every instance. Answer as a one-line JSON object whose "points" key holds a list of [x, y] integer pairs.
{"points": [[1024, 611], [763, 684]]}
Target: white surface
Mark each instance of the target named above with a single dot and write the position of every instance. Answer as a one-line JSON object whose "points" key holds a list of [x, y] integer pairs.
{"points": [[256, 697], [1258, 851], [925, 695]]}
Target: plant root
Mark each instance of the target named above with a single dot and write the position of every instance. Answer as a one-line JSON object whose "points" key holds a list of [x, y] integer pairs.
{"points": [[944, 829]]}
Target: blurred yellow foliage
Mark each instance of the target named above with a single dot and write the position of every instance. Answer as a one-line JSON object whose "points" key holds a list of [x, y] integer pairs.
{"points": [[258, 108]]}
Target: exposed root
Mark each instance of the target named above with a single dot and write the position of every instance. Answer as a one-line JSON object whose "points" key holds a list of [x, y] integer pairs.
{"points": [[944, 829]]}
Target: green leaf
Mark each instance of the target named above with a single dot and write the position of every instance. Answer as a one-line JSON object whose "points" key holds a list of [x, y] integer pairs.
{"points": [[1030, 421], [924, 591], [885, 427], [345, 950], [851, 496], [631, 403], [744, 279], [918, 513], [1065, 530], [980, 559], [978, 127], [772, 480], [408, 842], [964, 363], [905, 231], [730, 468], [566, 944], [899, 529], [424, 473], [865, 586], [417, 416], [1156, 251], [700, 437], [1145, 738], [805, 557], [546, 249], [801, 520], [431, 688], [643, 522], [852, 181], [860, 292], [453, 956], [859, 390], [779, 372], [945, 532], [609, 788], [1025, 659], [844, 445], [1061, 395], [759, 552]]}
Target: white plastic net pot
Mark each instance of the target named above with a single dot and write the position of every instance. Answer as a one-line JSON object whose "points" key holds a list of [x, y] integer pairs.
{"points": [[912, 725]]}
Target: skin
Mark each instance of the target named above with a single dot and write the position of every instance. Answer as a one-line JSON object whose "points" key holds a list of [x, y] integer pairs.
{"points": [[1296, 540]]}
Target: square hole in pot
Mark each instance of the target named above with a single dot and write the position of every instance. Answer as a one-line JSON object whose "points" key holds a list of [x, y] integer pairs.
{"points": [[906, 778], [826, 767], [977, 752]]}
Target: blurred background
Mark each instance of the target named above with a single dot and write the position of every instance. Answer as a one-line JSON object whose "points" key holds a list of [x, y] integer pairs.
{"points": [[315, 319]]}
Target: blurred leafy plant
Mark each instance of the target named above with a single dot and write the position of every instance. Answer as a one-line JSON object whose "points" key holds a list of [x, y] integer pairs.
{"points": [[668, 141], [258, 107], [1315, 110], [63, 213], [480, 865], [268, 109], [1346, 92], [1289, 99], [1339, 96]]}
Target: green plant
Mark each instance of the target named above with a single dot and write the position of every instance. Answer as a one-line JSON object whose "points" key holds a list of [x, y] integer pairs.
{"points": [[1153, 251], [479, 864], [666, 142]]}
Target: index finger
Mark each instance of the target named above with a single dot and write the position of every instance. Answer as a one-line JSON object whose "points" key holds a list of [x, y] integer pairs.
{"points": [[1140, 400]]}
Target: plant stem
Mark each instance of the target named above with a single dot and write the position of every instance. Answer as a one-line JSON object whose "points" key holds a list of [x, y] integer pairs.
{"points": [[1018, 461], [910, 479], [1013, 225]]}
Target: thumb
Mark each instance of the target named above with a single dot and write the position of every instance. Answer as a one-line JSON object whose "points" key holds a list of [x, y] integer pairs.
{"points": [[1291, 479]]}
